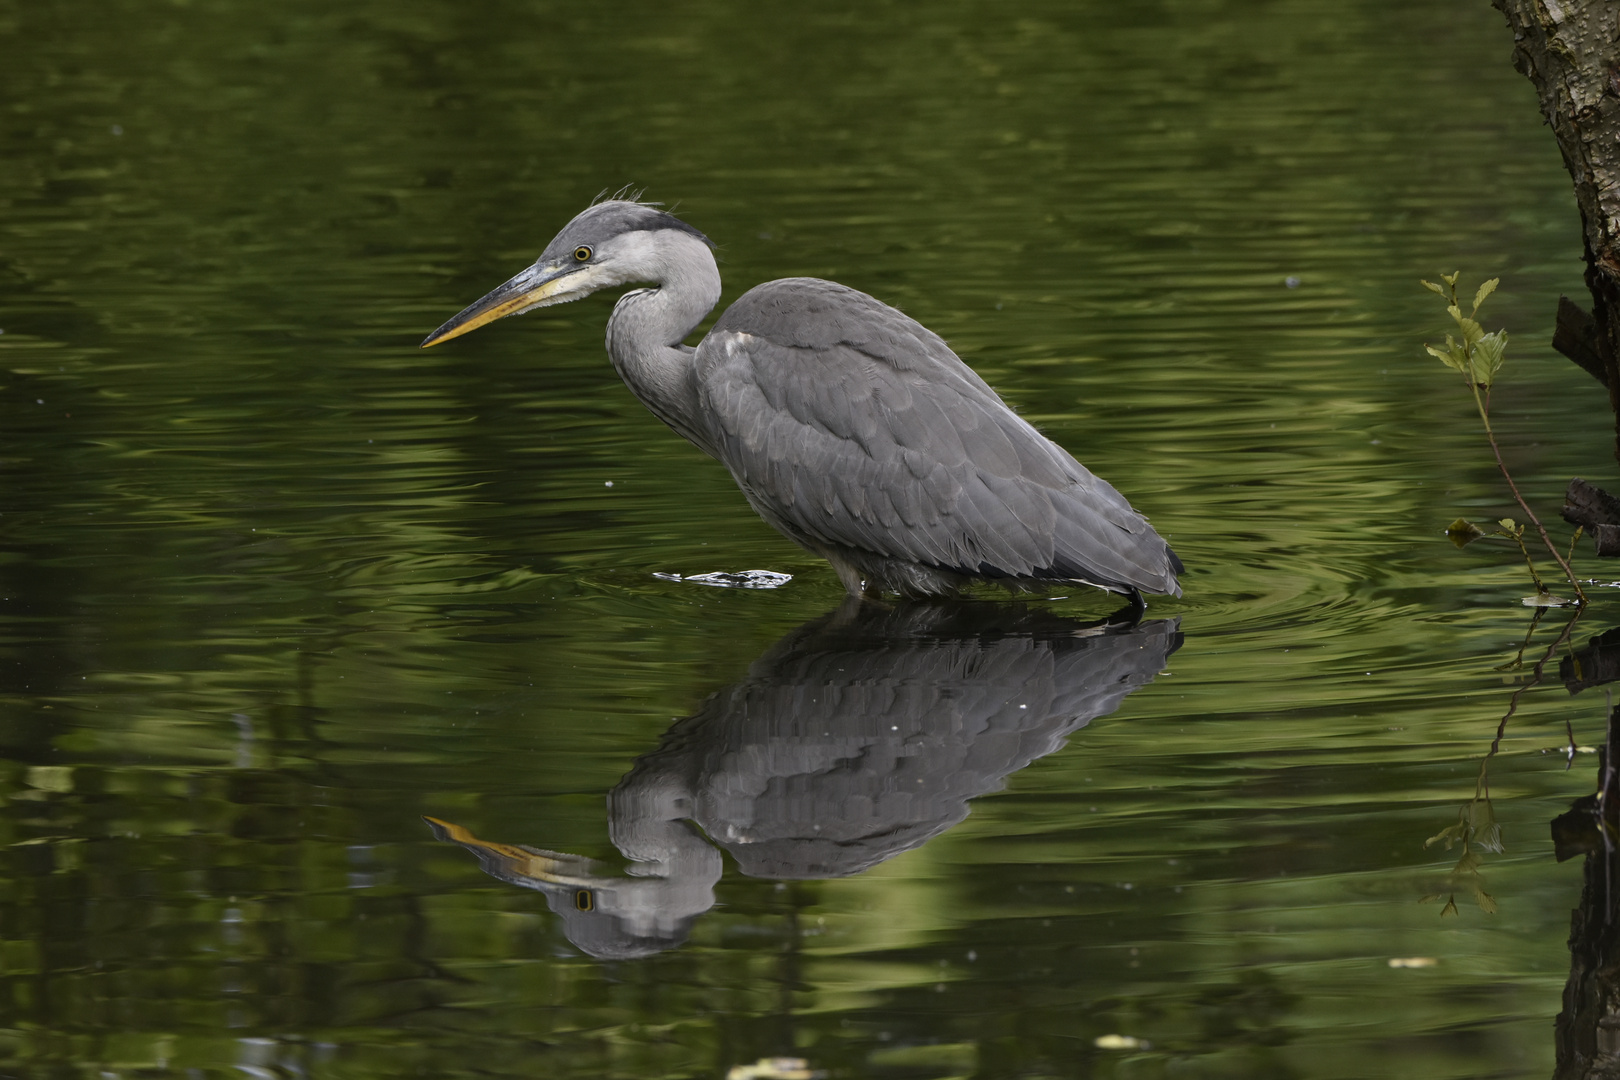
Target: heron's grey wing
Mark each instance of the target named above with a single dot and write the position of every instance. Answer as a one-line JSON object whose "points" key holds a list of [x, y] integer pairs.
{"points": [[850, 424]]}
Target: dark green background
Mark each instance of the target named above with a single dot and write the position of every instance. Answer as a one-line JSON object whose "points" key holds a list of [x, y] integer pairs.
{"points": [[275, 582]]}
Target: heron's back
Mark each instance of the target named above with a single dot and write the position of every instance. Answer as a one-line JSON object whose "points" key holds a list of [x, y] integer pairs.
{"points": [[857, 432]]}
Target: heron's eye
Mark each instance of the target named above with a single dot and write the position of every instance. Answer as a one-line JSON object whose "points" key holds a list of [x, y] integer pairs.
{"points": [[583, 900], [582, 253]]}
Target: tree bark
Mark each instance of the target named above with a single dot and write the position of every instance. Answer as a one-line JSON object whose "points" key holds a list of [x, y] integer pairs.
{"points": [[1570, 52], [1587, 1032], [1596, 511]]}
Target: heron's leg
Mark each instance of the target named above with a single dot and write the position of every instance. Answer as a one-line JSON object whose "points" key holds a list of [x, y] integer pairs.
{"points": [[854, 581], [1137, 604]]}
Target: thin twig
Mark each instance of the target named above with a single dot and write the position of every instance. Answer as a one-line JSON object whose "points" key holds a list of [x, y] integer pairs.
{"points": [[1517, 536], [1483, 404], [1481, 785], [1518, 658]]}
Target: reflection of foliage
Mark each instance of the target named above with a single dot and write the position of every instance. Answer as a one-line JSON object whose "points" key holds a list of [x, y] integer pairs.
{"points": [[1476, 830], [1517, 663], [1478, 357]]}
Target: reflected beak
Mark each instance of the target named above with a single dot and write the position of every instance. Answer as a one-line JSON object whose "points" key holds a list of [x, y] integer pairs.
{"points": [[535, 287], [511, 861]]}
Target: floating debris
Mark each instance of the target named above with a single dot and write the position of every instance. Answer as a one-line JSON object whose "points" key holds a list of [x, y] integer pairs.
{"points": [[728, 579], [1121, 1042], [1412, 961], [781, 1068], [1463, 532]]}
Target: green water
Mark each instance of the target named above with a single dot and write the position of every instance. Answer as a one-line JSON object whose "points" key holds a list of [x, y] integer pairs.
{"points": [[276, 584]]}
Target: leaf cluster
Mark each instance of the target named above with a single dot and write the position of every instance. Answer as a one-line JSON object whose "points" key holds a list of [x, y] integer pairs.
{"points": [[1476, 830], [1477, 355], [1476, 825]]}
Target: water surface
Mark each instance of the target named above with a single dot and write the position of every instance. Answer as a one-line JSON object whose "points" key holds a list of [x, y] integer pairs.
{"points": [[277, 584]]}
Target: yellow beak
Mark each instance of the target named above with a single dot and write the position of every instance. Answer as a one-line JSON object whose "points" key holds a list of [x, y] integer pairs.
{"points": [[534, 287]]}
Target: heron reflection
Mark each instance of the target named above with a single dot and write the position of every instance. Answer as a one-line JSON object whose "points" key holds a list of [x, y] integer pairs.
{"points": [[856, 737]]}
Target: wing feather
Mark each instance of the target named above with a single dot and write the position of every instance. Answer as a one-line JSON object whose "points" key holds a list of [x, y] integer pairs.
{"points": [[850, 425]]}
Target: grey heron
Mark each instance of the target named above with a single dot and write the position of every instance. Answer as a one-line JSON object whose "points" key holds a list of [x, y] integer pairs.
{"points": [[850, 427]]}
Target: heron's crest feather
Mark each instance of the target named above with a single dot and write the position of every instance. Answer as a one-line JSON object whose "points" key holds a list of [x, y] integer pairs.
{"points": [[601, 221]]}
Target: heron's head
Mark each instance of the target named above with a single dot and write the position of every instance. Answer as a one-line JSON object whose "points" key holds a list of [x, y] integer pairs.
{"points": [[612, 243], [606, 914]]}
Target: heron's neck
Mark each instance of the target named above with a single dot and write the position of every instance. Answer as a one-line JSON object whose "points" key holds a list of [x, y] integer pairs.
{"points": [[645, 332]]}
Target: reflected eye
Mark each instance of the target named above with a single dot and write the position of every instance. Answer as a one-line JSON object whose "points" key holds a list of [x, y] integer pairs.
{"points": [[583, 900], [582, 253]]}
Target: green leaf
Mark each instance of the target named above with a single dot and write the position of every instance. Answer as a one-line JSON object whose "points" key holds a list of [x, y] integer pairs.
{"points": [[1508, 523], [1485, 290], [1450, 834], [1487, 359], [1456, 355], [1451, 279], [1472, 331], [1452, 359], [1462, 532], [1432, 287]]}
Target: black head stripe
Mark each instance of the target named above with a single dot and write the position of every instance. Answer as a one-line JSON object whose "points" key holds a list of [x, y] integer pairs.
{"points": [[620, 216], [658, 219]]}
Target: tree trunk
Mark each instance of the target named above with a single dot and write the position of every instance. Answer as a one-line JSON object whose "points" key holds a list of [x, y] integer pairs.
{"points": [[1570, 51], [1588, 1028]]}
